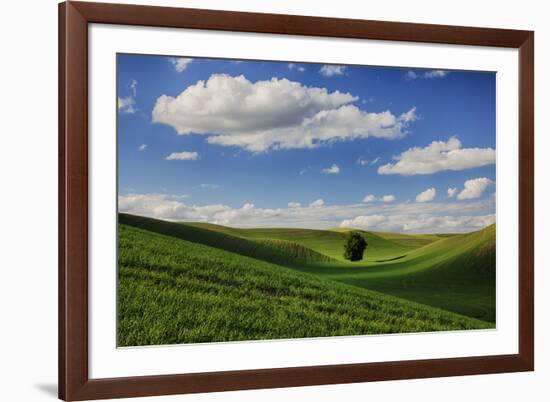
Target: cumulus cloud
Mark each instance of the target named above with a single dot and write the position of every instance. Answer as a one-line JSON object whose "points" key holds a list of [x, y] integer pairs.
{"points": [[439, 156], [419, 223], [162, 206], [180, 63], [474, 188], [142, 147], [432, 217], [329, 70], [363, 222], [369, 198], [412, 75], [273, 114], [127, 105], [451, 192], [183, 156], [388, 198], [317, 203], [426, 195], [334, 169]]}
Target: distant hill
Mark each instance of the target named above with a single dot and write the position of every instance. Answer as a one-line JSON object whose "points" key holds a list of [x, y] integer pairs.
{"points": [[328, 242]]}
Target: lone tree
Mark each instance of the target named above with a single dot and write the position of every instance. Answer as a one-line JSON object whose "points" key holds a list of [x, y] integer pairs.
{"points": [[355, 246]]}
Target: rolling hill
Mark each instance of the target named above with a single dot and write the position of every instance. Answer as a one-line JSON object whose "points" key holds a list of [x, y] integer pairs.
{"points": [[172, 290], [274, 250], [328, 242], [453, 272], [456, 273]]}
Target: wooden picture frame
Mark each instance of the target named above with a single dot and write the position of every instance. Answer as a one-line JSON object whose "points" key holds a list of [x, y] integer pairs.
{"points": [[74, 381]]}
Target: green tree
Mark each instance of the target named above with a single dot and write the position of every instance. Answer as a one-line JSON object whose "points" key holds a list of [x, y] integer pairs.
{"points": [[355, 246]]}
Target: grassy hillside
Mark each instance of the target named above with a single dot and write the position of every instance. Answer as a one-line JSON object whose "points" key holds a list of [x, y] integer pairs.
{"points": [[282, 252], [171, 290], [417, 240], [456, 273], [452, 272]]}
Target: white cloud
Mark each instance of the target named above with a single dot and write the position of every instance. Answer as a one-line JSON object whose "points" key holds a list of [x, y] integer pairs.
{"points": [[412, 75], [183, 156], [127, 105], [293, 204], [409, 116], [142, 147], [329, 70], [180, 63], [372, 198], [439, 156], [426, 195], [474, 188], [334, 169], [369, 198], [435, 74], [451, 192], [402, 217], [419, 223], [363, 222], [273, 114], [292, 66], [317, 203], [162, 206]]}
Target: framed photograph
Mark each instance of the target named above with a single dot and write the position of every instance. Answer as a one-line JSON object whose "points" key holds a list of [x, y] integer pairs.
{"points": [[259, 200]]}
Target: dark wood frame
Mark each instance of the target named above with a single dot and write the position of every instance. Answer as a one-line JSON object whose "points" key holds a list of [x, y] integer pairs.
{"points": [[74, 383]]}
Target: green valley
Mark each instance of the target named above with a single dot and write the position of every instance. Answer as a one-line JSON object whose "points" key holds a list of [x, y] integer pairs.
{"points": [[198, 282]]}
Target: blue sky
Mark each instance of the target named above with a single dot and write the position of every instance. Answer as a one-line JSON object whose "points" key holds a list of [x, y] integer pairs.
{"points": [[257, 143]]}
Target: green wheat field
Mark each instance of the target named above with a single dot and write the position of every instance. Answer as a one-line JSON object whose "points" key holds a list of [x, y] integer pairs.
{"points": [[195, 282]]}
